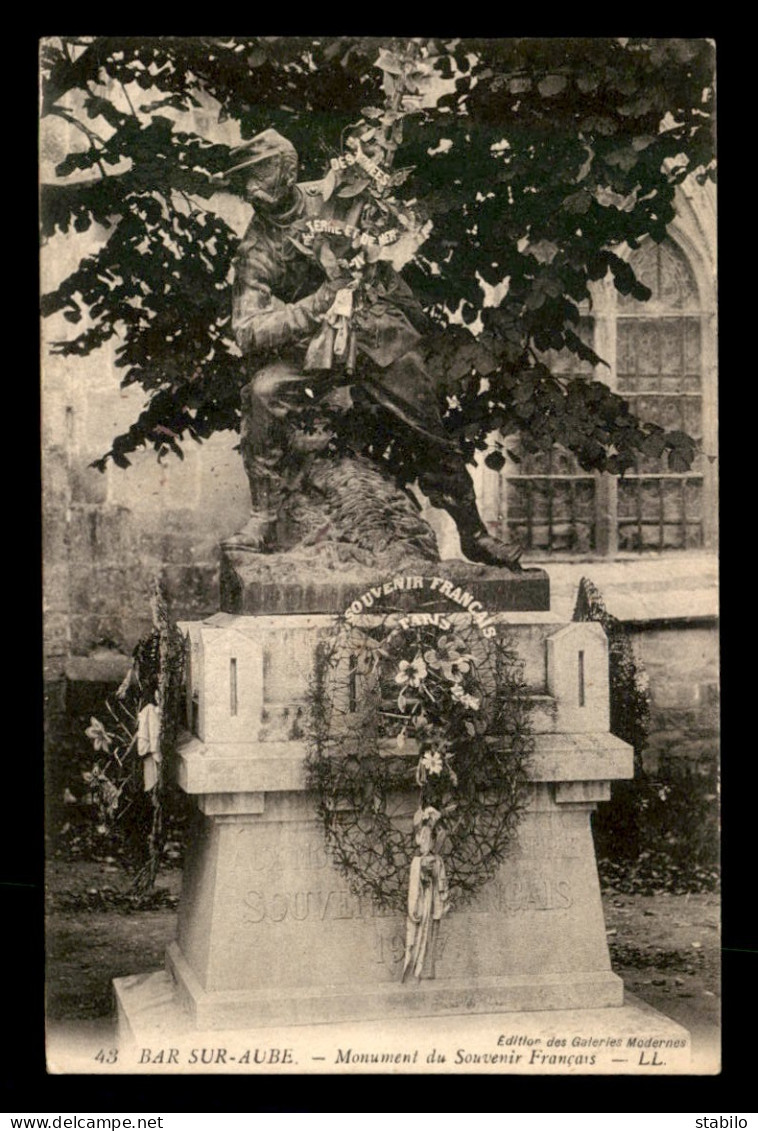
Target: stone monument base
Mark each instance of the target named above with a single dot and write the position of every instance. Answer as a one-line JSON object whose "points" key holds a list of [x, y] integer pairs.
{"points": [[271, 938], [305, 1005], [156, 1032], [283, 584]]}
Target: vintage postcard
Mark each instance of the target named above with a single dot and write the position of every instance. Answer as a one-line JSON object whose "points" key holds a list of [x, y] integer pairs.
{"points": [[380, 555]]}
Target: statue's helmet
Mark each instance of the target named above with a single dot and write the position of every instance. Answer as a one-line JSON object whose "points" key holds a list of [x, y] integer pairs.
{"points": [[267, 166]]}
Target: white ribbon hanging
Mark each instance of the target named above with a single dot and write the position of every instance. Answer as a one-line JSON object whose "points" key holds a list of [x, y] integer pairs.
{"points": [[148, 742], [428, 898]]}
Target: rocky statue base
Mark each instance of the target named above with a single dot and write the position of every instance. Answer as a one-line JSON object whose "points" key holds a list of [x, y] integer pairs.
{"points": [[291, 584], [269, 933]]}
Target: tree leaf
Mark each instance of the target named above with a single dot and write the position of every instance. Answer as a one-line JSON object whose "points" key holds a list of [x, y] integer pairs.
{"points": [[678, 462], [578, 202], [601, 124], [168, 269], [399, 177], [552, 85], [642, 141], [256, 58], [544, 251], [524, 392], [654, 443], [389, 63], [625, 158]]}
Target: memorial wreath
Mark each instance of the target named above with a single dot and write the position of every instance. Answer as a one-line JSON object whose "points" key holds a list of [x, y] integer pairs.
{"points": [[419, 740]]}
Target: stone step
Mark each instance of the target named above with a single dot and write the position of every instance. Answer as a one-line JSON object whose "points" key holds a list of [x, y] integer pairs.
{"points": [[156, 1035]]}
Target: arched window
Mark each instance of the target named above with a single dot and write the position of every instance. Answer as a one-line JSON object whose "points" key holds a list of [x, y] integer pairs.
{"points": [[661, 355], [659, 371]]}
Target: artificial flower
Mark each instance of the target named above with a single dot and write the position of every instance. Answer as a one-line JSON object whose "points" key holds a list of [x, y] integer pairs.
{"points": [[429, 815], [98, 735], [450, 657], [432, 762], [464, 698], [93, 776], [411, 673]]}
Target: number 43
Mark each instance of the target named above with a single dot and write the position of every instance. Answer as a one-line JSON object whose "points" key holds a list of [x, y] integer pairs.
{"points": [[107, 1056]]}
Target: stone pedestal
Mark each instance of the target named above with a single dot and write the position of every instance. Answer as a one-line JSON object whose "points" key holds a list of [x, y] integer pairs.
{"points": [[269, 932]]}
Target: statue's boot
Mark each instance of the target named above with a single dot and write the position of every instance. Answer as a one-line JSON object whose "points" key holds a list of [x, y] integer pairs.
{"points": [[259, 534], [261, 439], [449, 486], [270, 403]]}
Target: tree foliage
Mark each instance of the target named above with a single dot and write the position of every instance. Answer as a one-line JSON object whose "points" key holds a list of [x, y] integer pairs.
{"points": [[537, 161]]}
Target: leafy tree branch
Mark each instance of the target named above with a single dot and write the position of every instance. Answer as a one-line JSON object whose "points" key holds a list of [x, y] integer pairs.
{"points": [[537, 161]]}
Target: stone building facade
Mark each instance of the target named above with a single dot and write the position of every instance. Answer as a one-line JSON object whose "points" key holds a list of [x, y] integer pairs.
{"points": [[649, 541]]}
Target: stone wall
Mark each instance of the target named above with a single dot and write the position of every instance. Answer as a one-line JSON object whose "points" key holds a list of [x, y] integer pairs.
{"points": [[681, 661], [106, 534], [669, 604]]}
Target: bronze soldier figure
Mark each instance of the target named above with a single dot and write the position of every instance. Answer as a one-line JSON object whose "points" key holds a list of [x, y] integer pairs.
{"points": [[282, 301]]}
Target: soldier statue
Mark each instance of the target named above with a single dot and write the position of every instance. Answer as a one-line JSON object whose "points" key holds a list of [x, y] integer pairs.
{"points": [[287, 310]]}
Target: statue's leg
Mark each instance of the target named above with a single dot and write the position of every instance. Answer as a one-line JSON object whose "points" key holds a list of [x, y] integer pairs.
{"points": [[445, 481], [270, 404], [266, 402], [406, 389]]}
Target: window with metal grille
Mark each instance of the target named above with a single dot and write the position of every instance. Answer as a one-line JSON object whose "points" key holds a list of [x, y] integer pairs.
{"points": [[655, 351], [659, 371], [550, 502]]}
